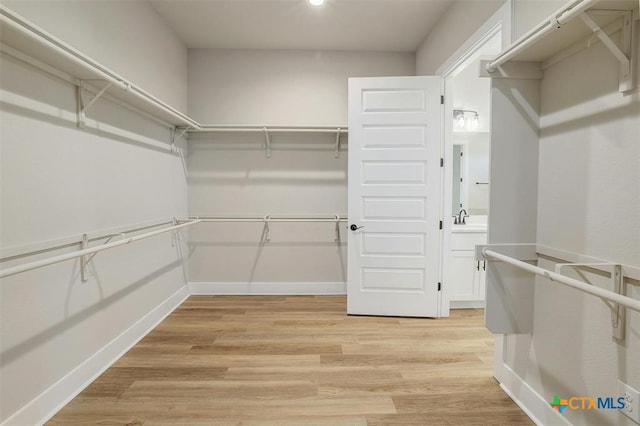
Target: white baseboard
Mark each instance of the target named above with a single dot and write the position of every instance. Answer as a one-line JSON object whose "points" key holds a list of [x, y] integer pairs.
{"points": [[531, 402], [49, 402], [466, 304], [267, 288]]}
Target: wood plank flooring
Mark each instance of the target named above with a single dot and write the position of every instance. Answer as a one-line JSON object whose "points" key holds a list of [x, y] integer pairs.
{"points": [[299, 360]]}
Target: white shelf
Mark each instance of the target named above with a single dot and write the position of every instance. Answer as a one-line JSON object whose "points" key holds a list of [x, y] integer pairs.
{"points": [[567, 31], [267, 131], [214, 128], [572, 32], [22, 35]]}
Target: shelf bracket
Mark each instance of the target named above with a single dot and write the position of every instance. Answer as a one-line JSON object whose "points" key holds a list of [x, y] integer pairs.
{"points": [[618, 313], [82, 107], [267, 143], [175, 136], [174, 236], [337, 239], [84, 260], [337, 154], [267, 230], [623, 54]]}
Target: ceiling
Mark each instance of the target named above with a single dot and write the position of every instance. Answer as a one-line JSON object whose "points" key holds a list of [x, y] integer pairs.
{"points": [[347, 25]]}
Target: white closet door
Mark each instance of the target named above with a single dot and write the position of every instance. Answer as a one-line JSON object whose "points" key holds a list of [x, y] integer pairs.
{"points": [[395, 184]]}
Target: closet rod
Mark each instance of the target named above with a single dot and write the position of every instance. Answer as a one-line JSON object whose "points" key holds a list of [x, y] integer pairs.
{"points": [[13, 253], [53, 44], [553, 22], [79, 253], [268, 218], [579, 285], [271, 129]]}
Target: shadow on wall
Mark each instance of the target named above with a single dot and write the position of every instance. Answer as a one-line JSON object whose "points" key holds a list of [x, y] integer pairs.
{"points": [[23, 94], [11, 354], [288, 252], [61, 121]]}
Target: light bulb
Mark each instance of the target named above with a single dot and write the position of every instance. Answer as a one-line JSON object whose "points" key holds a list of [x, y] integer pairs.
{"points": [[475, 122], [460, 121], [317, 2]]}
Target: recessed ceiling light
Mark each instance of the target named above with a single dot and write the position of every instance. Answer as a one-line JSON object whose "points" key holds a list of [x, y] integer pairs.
{"points": [[317, 2]]}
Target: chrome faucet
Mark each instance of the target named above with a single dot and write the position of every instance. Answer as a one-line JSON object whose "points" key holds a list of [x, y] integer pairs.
{"points": [[460, 219]]}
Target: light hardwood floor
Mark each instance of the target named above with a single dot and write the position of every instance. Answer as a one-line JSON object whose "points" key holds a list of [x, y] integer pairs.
{"points": [[230, 360]]}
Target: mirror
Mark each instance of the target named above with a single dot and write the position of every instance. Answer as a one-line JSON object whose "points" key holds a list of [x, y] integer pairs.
{"points": [[471, 138], [471, 173]]}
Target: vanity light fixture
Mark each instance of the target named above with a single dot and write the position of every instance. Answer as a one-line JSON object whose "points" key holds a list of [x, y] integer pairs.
{"points": [[317, 2], [464, 119], [475, 121]]}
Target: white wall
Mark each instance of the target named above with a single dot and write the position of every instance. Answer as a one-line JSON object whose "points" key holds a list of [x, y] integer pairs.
{"points": [[283, 87], [459, 23], [588, 203], [128, 37], [529, 13], [230, 174], [59, 181]]}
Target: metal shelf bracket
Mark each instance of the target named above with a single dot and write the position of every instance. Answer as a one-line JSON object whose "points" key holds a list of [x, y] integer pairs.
{"points": [[175, 136], [623, 54], [175, 235], [84, 260], [337, 239], [267, 143], [337, 154], [82, 107], [618, 313], [267, 230]]}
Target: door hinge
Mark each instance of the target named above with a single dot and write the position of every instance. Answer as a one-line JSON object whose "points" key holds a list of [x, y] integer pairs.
{"points": [[442, 99], [439, 286], [442, 162], [440, 224]]}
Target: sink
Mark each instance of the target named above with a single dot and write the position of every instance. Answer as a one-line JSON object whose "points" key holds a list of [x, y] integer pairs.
{"points": [[474, 223], [477, 227]]}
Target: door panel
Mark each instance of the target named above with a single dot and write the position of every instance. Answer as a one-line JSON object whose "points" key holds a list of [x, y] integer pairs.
{"points": [[395, 186]]}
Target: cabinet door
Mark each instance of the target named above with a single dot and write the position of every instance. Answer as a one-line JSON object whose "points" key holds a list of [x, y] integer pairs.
{"points": [[461, 282]]}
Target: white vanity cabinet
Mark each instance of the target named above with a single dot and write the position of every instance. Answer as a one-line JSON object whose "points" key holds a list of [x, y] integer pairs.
{"points": [[465, 279]]}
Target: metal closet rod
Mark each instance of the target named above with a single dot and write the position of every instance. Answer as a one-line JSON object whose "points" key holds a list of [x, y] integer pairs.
{"points": [[12, 19], [270, 218], [210, 128], [39, 248], [79, 253], [553, 22], [579, 285]]}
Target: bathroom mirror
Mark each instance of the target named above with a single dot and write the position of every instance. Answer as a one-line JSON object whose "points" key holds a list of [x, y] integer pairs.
{"points": [[471, 173], [470, 140]]}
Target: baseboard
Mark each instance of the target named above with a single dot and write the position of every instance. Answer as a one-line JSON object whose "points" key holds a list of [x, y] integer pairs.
{"points": [[49, 402], [267, 288], [466, 304], [531, 402]]}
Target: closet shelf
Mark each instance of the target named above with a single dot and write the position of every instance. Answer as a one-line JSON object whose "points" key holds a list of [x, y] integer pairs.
{"points": [[27, 38], [570, 29], [210, 128], [268, 130]]}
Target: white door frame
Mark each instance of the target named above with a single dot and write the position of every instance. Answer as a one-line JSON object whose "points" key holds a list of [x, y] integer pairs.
{"points": [[500, 21]]}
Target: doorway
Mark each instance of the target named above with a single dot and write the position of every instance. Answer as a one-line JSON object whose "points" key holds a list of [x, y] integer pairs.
{"points": [[467, 126]]}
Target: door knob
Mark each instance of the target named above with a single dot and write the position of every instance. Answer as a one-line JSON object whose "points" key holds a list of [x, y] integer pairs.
{"points": [[355, 227]]}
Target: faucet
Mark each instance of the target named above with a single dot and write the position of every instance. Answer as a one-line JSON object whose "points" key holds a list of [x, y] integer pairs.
{"points": [[459, 219]]}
